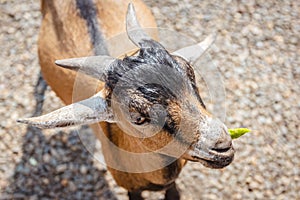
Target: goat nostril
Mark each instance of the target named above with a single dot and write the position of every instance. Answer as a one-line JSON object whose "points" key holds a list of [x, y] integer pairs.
{"points": [[222, 145]]}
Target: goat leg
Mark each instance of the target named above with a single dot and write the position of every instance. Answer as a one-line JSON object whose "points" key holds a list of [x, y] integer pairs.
{"points": [[135, 195], [172, 193]]}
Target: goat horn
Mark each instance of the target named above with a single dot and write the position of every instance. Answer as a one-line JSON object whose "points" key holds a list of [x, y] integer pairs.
{"points": [[94, 66], [91, 110], [133, 28], [194, 52]]}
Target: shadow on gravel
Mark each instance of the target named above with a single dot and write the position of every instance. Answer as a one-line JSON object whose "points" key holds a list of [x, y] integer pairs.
{"points": [[58, 167]]}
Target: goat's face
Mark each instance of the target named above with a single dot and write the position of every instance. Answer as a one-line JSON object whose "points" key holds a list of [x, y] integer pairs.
{"points": [[152, 96]]}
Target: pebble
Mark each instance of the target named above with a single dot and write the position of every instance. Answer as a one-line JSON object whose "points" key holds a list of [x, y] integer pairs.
{"points": [[46, 158], [277, 118], [64, 182], [45, 181], [83, 169], [72, 186], [61, 168]]}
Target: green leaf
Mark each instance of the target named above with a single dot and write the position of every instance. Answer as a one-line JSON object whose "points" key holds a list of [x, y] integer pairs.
{"points": [[238, 132]]}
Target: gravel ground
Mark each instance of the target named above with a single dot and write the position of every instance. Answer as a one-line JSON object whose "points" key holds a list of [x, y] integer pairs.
{"points": [[258, 55]]}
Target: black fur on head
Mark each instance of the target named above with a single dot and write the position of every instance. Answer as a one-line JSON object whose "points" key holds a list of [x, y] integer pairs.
{"points": [[151, 53], [152, 77]]}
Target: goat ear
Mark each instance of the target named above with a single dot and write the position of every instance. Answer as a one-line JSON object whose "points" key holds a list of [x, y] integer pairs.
{"points": [[194, 52], [88, 111], [133, 28], [95, 66]]}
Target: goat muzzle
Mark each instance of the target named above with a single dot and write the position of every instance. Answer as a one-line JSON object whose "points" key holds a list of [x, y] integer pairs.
{"points": [[214, 146]]}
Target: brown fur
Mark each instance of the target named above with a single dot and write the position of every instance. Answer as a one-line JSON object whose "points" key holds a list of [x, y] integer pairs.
{"points": [[64, 34]]}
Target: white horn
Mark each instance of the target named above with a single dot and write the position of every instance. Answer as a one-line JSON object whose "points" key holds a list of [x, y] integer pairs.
{"points": [[194, 52], [88, 111], [133, 28], [95, 66]]}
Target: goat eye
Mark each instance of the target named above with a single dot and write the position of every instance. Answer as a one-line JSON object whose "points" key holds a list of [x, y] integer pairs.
{"points": [[137, 118], [140, 120]]}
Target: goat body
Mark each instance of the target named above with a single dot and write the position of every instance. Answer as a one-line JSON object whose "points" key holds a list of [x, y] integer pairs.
{"points": [[65, 33], [137, 161]]}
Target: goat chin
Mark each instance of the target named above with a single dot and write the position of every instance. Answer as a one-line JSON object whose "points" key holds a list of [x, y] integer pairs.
{"points": [[210, 158]]}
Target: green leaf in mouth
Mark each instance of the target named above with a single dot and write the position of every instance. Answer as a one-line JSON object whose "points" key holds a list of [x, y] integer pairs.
{"points": [[238, 132]]}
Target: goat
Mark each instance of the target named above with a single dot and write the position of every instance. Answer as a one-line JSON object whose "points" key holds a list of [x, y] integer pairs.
{"points": [[147, 111]]}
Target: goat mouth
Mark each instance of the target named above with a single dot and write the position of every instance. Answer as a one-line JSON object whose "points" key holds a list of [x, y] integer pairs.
{"points": [[211, 158]]}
